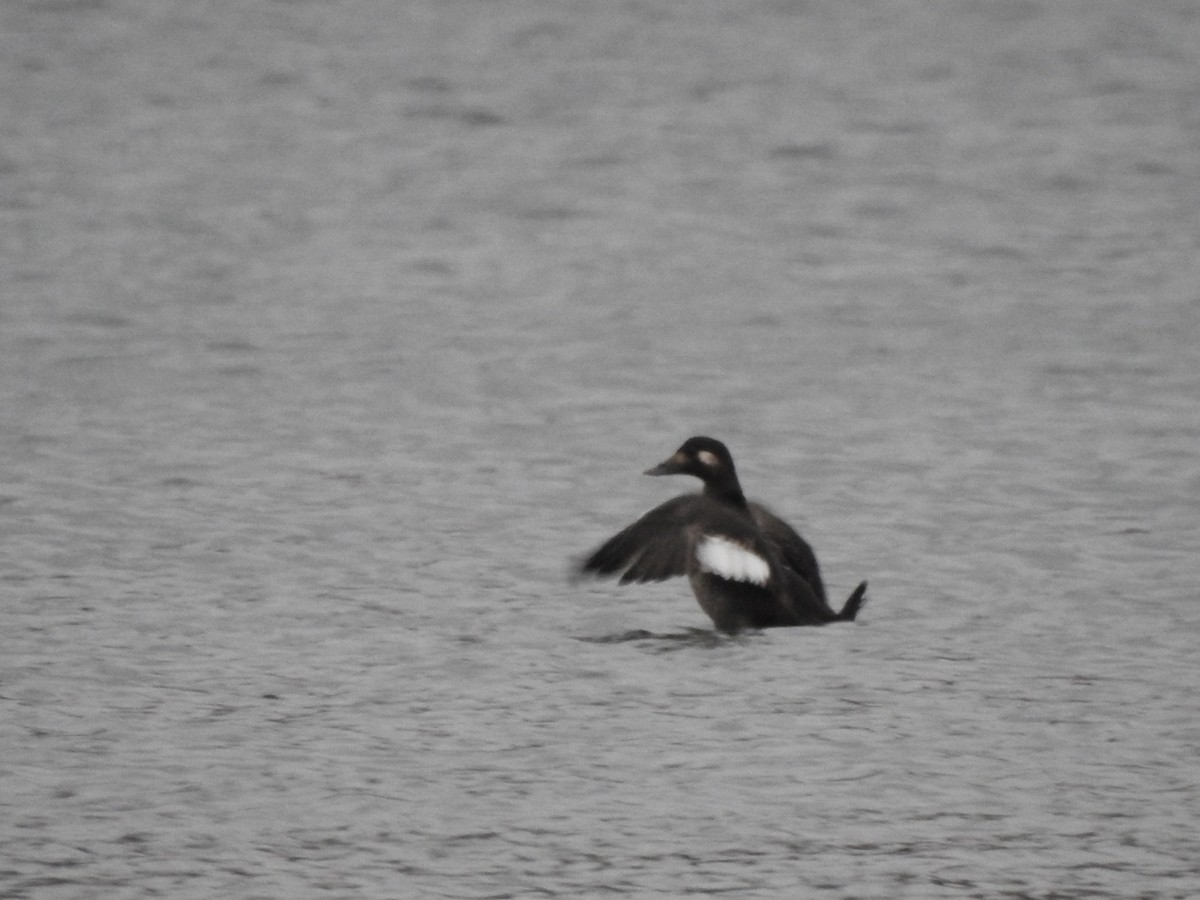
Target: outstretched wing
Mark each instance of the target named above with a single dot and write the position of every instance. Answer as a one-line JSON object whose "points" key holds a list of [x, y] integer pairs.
{"points": [[792, 549], [653, 548]]}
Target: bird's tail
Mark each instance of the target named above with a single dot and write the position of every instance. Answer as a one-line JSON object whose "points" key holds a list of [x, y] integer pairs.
{"points": [[856, 602]]}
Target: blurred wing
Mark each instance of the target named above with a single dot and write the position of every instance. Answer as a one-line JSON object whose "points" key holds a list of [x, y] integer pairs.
{"points": [[653, 548], [793, 550]]}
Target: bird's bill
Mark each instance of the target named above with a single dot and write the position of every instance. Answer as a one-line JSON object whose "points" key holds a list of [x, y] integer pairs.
{"points": [[672, 466]]}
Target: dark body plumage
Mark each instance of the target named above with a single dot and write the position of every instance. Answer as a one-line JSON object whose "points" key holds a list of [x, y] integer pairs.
{"points": [[747, 567]]}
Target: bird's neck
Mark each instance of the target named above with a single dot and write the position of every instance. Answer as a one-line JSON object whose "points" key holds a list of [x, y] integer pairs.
{"points": [[726, 491]]}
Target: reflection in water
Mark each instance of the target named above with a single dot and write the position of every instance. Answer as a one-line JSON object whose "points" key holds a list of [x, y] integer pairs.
{"points": [[692, 637]]}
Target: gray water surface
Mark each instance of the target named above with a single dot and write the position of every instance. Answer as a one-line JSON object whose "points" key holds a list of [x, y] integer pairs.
{"points": [[331, 333]]}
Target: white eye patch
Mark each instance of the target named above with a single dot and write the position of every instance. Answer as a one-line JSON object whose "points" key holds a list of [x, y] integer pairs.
{"points": [[726, 559], [707, 457]]}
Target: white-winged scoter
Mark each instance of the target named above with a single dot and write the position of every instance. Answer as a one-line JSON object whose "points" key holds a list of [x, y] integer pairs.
{"points": [[747, 567]]}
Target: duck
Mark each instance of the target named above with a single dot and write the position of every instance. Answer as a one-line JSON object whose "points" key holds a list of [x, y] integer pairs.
{"points": [[747, 567]]}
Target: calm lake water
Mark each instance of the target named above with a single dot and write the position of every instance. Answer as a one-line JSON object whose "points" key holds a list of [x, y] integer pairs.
{"points": [[330, 333]]}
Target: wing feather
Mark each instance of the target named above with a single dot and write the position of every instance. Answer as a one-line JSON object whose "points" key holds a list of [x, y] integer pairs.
{"points": [[793, 550], [653, 548]]}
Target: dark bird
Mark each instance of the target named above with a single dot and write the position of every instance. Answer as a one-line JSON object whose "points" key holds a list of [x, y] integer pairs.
{"points": [[748, 568]]}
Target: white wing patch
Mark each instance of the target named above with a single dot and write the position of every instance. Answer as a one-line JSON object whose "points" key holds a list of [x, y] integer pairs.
{"points": [[726, 559]]}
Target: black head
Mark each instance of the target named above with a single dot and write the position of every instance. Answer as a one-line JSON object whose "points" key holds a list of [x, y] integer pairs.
{"points": [[707, 459]]}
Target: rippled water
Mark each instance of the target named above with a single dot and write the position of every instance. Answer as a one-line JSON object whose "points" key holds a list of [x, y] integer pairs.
{"points": [[331, 333]]}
